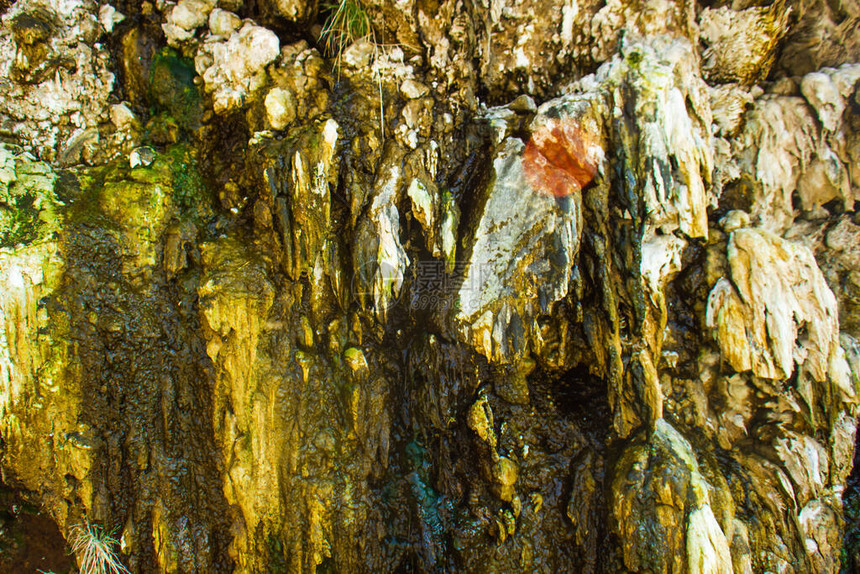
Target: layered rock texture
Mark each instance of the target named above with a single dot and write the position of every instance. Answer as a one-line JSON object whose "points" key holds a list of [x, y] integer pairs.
{"points": [[435, 286]]}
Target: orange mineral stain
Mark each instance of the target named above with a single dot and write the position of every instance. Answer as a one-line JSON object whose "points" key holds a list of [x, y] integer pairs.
{"points": [[560, 158]]}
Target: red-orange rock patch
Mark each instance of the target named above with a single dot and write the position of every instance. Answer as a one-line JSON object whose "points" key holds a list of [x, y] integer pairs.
{"points": [[559, 159]]}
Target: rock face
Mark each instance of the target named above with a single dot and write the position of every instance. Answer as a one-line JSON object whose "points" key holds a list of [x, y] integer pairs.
{"points": [[505, 287], [56, 78]]}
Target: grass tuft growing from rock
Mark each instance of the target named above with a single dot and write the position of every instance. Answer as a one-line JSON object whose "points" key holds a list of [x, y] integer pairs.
{"points": [[95, 550], [347, 23]]}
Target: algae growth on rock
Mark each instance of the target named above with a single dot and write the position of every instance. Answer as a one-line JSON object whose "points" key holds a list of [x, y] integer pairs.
{"points": [[537, 286]]}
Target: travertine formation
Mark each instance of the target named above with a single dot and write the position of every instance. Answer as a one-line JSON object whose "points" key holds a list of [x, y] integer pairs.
{"points": [[512, 286], [56, 78]]}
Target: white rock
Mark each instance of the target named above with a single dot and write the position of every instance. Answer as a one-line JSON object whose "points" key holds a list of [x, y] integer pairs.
{"points": [[777, 143], [735, 219], [422, 204], [223, 23], [707, 547], [448, 231], [818, 522], [109, 17], [410, 89], [45, 110], [823, 180], [661, 259], [673, 108], [234, 70], [505, 282], [280, 108], [291, 9], [381, 258], [846, 77], [142, 156], [358, 54], [728, 105], [121, 116], [176, 35], [191, 14], [776, 286], [740, 42], [805, 461], [823, 95], [134, 159], [7, 167]]}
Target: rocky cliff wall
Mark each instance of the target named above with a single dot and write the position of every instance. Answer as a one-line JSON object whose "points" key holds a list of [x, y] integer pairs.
{"points": [[441, 286]]}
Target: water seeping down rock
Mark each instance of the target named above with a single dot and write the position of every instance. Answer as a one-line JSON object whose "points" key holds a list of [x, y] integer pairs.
{"points": [[538, 286]]}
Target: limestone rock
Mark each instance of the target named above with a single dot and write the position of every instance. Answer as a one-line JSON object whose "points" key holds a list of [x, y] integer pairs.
{"points": [[658, 482], [480, 420], [56, 77], [411, 89], [301, 84], [293, 10], [234, 70], [818, 520], [728, 106], [439, 216], [839, 259], [109, 17], [616, 331], [190, 14], [825, 35], [383, 266], [223, 23], [141, 156], [355, 359], [741, 44], [280, 108], [122, 117], [814, 162], [667, 18], [36, 398], [236, 300], [525, 244], [505, 477], [776, 285], [299, 192], [779, 144], [672, 107], [707, 548], [28, 204]]}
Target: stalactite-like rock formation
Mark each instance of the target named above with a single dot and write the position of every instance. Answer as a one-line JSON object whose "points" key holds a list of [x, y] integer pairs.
{"points": [[510, 287]]}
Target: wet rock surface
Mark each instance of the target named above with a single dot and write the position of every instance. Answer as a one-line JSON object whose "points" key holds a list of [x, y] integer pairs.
{"points": [[525, 286]]}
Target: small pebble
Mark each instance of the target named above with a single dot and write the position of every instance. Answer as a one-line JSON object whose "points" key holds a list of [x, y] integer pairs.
{"points": [[142, 156]]}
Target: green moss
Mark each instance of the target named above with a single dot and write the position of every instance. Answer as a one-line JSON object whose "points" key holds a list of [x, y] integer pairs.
{"points": [[115, 195], [172, 91], [20, 223], [189, 189], [277, 563], [163, 129], [634, 58], [27, 199], [83, 188]]}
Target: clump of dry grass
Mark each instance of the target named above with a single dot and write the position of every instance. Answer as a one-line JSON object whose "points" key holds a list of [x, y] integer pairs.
{"points": [[95, 549], [348, 22]]}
